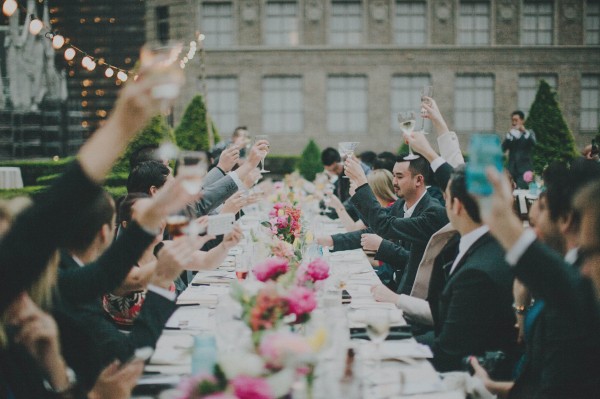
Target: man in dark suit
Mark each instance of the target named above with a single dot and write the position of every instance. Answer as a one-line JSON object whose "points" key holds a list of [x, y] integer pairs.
{"points": [[519, 144], [412, 222]]}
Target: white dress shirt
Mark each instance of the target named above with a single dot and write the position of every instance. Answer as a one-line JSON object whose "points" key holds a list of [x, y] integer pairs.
{"points": [[467, 242], [408, 212]]}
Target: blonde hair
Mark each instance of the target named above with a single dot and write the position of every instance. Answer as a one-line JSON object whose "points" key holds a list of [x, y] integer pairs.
{"points": [[380, 181]]}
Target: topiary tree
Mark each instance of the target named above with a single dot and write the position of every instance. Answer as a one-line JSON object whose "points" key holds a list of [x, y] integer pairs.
{"points": [[192, 133], [155, 132], [555, 141], [310, 161]]}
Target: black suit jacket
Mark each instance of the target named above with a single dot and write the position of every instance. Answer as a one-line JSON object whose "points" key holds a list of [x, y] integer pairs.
{"points": [[414, 232], [563, 349], [475, 307]]}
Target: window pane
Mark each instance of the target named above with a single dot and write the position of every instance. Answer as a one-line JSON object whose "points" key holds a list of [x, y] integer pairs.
{"points": [[474, 23], [346, 22], [282, 104], [282, 23], [537, 23], [592, 22], [474, 103], [347, 104], [222, 102], [217, 24], [590, 100], [410, 25], [406, 96]]}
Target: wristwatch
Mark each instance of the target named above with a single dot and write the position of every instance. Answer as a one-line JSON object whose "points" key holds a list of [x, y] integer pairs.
{"points": [[519, 309]]}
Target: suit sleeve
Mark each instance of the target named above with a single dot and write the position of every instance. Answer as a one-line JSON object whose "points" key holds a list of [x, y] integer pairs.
{"points": [[215, 194], [108, 271], [393, 254], [40, 230], [416, 229], [442, 175], [347, 241], [507, 143]]}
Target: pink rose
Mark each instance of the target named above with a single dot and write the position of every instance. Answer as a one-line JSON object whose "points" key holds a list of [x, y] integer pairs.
{"points": [[301, 301], [528, 176], [270, 269], [318, 269], [251, 388], [282, 222]]}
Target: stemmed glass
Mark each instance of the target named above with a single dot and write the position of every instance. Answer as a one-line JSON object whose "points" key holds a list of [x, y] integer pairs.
{"points": [[426, 92], [262, 161], [378, 328], [407, 124], [193, 165], [161, 58], [327, 193], [347, 149]]}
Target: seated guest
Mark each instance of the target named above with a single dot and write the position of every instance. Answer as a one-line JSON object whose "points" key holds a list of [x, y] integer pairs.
{"points": [[332, 162], [385, 160]]}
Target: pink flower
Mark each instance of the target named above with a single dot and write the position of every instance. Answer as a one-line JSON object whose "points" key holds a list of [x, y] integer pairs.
{"points": [[301, 301], [251, 388], [282, 249], [528, 176], [275, 348], [282, 222], [270, 269], [318, 269], [278, 185]]}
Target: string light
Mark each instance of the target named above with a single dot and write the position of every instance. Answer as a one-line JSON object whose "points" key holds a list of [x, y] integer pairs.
{"points": [[58, 41], [35, 26], [109, 73], [70, 54], [122, 76], [9, 7]]}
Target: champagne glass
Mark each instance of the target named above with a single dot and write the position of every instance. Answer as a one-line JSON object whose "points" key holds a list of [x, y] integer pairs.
{"points": [[161, 59], [407, 124], [378, 328], [178, 223], [257, 138], [193, 165], [426, 92], [241, 268], [327, 193], [347, 149]]}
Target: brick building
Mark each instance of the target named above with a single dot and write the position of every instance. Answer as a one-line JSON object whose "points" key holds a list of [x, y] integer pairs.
{"points": [[340, 70]]}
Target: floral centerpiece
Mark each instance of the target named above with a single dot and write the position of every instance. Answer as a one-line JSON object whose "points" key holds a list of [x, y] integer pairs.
{"points": [[284, 222]]}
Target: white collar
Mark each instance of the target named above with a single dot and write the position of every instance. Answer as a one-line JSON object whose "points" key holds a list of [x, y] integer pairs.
{"points": [[467, 242], [571, 255], [408, 212], [77, 260]]}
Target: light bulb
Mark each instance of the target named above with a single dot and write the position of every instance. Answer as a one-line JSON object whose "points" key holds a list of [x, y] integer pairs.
{"points": [[58, 41], [35, 26], [201, 37], [9, 7], [86, 61], [109, 73], [122, 76], [91, 65], [69, 54]]}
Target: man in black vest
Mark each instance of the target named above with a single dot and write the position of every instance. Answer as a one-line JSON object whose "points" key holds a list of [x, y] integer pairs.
{"points": [[519, 143]]}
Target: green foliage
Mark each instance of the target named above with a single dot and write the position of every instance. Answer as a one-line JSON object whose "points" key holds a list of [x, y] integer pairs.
{"points": [[29, 191], [112, 180], [280, 165], [555, 141], [32, 170], [309, 163], [192, 132], [155, 132]]}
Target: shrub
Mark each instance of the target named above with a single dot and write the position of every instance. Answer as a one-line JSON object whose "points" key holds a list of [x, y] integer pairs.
{"points": [[280, 165], [310, 163], [192, 132], [30, 191], [555, 141], [32, 170]]}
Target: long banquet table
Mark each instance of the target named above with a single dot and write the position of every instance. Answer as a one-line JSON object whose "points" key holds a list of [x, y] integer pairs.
{"points": [[206, 307]]}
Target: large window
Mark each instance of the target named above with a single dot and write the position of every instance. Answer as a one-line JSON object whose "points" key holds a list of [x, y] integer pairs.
{"points": [[223, 102], [346, 22], [282, 23], [474, 23], [217, 24], [474, 103], [162, 24], [537, 22], [592, 22], [590, 102], [347, 104], [410, 26], [406, 96], [528, 86], [282, 104]]}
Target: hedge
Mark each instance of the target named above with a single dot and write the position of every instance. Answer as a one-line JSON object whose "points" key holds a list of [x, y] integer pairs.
{"points": [[34, 191], [280, 165], [32, 170], [112, 180]]}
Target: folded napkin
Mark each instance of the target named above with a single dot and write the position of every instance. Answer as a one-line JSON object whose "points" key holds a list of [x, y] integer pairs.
{"points": [[196, 296], [214, 276]]}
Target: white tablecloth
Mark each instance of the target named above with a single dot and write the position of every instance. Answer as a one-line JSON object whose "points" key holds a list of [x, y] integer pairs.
{"points": [[10, 177]]}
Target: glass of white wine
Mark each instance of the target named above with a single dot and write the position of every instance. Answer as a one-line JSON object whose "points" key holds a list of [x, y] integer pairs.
{"points": [[407, 124], [378, 328], [347, 149], [257, 138], [426, 94], [327, 193]]}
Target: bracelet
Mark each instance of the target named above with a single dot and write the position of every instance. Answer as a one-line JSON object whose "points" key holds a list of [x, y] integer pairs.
{"points": [[519, 309]]}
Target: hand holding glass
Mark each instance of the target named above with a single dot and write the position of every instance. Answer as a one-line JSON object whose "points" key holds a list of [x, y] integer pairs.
{"points": [[347, 150], [407, 124], [161, 59], [426, 94], [258, 138], [193, 165]]}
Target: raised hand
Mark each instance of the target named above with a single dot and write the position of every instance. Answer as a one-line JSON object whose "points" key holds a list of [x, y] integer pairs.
{"points": [[381, 293], [355, 172], [435, 116], [370, 242], [116, 382], [259, 150], [419, 143], [229, 157], [233, 238], [173, 259], [235, 203]]}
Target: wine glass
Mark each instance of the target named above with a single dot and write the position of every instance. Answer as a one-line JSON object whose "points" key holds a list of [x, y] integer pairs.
{"points": [[161, 59], [257, 138], [347, 149], [327, 193], [378, 328], [407, 124], [193, 165], [427, 91]]}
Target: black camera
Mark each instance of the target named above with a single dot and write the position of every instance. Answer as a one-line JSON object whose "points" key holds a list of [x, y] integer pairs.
{"points": [[491, 362]]}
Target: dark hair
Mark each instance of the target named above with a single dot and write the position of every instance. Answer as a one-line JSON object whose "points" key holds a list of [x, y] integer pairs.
{"points": [[458, 189], [142, 154], [329, 156], [89, 222], [125, 208], [562, 181], [385, 160], [520, 113], [368, 157], [586, 202], [146, 175], [419, 166], [236, 131]]}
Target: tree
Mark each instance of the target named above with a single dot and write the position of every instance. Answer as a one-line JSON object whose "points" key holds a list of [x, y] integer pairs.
{"points": [[310, 161], [555, 141], [155, 132], [192, 133]]}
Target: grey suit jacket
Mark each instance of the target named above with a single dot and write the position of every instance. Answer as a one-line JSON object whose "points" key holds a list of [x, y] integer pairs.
{"points": [[217, 188]]}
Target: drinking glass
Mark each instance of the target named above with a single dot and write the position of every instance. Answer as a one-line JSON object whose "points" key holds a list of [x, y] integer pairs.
{"points": [[407, 124], [193, 165], [327, 193], [161, 59], [427, 91], [241, 268], [378, 328], [257, 138], [347, 149]]}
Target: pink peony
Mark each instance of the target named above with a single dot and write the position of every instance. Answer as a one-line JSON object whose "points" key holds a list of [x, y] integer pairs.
{"points": [[528, 176], [318, 269], [301, 301], [282, 222], [270, 269], [251, 388], [276, 347]]}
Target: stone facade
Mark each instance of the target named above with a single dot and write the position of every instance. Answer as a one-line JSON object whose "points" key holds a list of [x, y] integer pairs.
{"points": [[379, 59]]}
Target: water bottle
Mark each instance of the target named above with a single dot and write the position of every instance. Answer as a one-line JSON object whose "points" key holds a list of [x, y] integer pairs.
{"points": [[204, 354], [484, 150]]}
